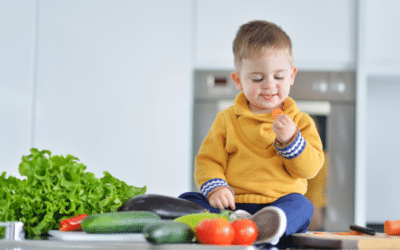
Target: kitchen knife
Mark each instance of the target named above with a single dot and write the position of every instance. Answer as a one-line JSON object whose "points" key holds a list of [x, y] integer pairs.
{"points": [[365, 230]]}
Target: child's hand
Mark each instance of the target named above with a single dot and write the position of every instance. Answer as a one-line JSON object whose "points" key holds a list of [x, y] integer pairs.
{"points": [[222, 198], [284, 129]]}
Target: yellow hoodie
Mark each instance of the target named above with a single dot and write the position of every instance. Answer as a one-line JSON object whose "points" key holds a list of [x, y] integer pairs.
{"points": [[240, 152]]}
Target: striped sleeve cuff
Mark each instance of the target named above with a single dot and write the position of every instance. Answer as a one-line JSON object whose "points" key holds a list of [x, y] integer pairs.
{"points": [[294, 149], [212, 184]]}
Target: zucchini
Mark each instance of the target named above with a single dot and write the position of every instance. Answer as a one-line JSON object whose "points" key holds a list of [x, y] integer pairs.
{"points": [[192, 220], [164, 206], [118, 222], [168, 231]]}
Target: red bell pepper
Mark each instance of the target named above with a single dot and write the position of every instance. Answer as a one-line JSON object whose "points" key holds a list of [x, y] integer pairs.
{"points": [[72, 224]]}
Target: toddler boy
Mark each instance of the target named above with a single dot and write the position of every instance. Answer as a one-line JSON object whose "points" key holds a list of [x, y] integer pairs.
{"points": [[248, 160]]}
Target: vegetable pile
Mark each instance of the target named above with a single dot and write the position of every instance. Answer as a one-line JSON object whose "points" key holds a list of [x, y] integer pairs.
{"points": [[209, 228], [56, 188]]}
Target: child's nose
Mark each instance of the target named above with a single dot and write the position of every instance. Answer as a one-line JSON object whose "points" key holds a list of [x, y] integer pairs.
{"points": [[268, 83]]}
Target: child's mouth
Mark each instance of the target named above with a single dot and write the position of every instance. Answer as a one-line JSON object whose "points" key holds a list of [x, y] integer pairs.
{"points": [[268, 97]]}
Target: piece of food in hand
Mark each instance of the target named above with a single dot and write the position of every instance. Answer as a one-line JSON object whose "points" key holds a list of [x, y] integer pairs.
{"points": [[276, 112], [245, 232], [119, 222], [73, 223], [215, 232], [168, 231], [192, 220], [164, 206]]}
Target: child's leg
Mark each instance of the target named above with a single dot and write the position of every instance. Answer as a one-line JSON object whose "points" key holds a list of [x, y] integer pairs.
{"points": [[298, 210], [199, 199]]}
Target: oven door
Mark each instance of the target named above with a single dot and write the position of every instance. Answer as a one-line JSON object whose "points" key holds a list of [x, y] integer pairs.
{"points": [[335, 123], [341, 167]]}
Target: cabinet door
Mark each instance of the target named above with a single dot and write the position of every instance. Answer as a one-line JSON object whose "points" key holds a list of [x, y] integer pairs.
{"points": [[382, 37], [322, 32], [17, 39], [382, 171], [114, 88]]}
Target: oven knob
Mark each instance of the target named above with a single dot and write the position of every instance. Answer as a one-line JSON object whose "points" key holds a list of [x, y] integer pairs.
{"points": [[320, 87], [338, 87]]}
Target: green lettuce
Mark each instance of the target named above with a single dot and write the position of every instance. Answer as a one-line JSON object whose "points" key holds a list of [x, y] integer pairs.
{"points": [[56, 188]]}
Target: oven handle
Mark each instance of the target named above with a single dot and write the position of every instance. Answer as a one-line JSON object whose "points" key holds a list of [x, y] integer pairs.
{"points": [[314, 107]]}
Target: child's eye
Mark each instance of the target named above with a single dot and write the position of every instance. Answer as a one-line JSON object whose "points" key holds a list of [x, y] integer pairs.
{"points": [[257, 80], [279, 77]]}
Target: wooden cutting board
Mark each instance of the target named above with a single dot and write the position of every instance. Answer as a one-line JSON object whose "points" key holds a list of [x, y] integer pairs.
{"points": [[378, 241]]}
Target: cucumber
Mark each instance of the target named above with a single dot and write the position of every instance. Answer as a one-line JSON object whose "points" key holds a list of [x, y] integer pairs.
{"points": [[118, 222], [168, 231]]}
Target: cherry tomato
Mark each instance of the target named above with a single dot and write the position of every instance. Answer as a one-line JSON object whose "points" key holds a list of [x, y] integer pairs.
{"points": [[215, 232], [245, 232]]}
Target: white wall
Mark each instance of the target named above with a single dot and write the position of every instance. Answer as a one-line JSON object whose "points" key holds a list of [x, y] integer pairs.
{"points": [[113, 87], [17, 32]]}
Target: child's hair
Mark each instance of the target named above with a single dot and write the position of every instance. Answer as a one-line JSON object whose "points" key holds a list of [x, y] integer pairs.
{"points": [[254, 36]]}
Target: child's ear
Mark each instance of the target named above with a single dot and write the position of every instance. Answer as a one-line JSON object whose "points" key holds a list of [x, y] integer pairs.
{"points": [[293, 74], [236, 79]]}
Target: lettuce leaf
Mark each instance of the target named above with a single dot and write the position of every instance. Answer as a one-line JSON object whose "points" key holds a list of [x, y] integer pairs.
{"points": [[56, 188]]}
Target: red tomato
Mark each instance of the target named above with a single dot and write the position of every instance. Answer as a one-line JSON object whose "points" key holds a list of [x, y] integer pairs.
{"points": [[245, 232], [215, 232]]}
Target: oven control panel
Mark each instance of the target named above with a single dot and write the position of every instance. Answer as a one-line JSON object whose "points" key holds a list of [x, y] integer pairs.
{"points": [[308, 85]]}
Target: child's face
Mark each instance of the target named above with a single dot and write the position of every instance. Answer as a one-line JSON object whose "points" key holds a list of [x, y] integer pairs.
{"points": [[266, 80]]}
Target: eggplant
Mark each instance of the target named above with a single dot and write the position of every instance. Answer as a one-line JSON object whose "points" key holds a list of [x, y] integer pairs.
{"points": [[164, 206]]}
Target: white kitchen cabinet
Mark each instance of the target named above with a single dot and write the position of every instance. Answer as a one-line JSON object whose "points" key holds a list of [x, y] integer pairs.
{"points": [[322, 32], [383, 187], [382, 37], [17, 49], [378, 88], [114, 88]]}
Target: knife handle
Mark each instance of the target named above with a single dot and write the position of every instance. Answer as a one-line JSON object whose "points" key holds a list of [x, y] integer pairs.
{"points": [[365, 230]]}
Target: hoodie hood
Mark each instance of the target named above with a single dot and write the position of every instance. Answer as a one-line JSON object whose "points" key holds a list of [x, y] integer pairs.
{"points": [[241, 108]]}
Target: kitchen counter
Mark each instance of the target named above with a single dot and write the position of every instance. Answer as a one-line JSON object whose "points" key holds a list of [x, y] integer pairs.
{"points": [[66, 245], [318, 241], [81, 240]]}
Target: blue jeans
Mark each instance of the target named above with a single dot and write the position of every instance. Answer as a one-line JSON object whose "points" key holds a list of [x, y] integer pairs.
{"points": [[298, 210]]}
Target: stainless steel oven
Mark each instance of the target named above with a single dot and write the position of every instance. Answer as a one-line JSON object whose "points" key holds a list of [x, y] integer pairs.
{"points": [[329, 97]]}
